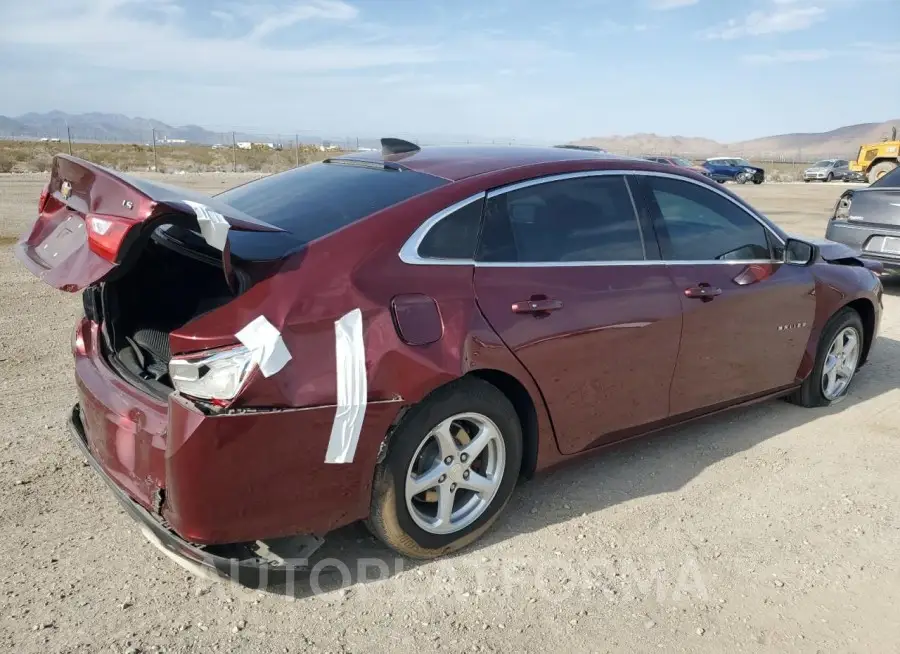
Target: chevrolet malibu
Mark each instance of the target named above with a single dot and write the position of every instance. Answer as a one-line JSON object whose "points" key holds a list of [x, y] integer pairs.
{"points": [[398, 337]]}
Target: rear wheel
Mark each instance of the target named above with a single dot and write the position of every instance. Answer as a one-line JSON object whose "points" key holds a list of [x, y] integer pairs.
{"points": [[837, 358], [881, 169], [451, 467]]}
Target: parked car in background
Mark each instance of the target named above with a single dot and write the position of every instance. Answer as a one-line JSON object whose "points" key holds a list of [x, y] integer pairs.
{"points": [[856, 177], [731, 169], [397, 337], [827, 170], [681, 162], [868, 220]]}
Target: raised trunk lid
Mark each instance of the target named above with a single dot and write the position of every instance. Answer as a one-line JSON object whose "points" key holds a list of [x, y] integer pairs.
{"points": [[92, 220]]}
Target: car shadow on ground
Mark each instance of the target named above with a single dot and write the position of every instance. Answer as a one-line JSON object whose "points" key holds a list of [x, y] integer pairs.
{"points": [[664, 462]]}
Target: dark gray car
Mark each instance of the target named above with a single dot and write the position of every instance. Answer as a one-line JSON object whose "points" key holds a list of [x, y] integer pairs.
{"points": [[868, 220], [827, 170]]}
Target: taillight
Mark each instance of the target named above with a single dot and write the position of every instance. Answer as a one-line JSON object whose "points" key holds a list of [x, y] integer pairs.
{"points": [[842, 208], [217, 377], [106, 234], [42, 201]]}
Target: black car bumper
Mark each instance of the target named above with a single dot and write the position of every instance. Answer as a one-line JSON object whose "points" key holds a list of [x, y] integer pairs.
{"points": [[873, 242], [200, 560]]}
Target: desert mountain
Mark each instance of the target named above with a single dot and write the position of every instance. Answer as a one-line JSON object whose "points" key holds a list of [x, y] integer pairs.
{"points": [[841, 142]]}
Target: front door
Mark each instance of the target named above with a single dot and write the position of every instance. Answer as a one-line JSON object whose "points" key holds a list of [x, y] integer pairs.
{"points": [[747, 315], [562, 277]]}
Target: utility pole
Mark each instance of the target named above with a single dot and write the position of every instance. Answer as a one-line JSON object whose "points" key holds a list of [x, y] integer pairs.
{"points": [[297, 149], [69, 134], [233, 153], [155, 160]]}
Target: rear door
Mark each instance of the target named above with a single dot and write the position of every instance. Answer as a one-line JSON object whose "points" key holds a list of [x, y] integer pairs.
{"points": [[571, 282], [747, 316], [90, 218]]}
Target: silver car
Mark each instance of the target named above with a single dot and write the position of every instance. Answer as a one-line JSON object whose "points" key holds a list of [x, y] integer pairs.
{"points": [[827, 170]]}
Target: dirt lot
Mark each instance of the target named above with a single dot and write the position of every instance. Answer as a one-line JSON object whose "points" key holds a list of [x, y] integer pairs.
{"points": [[772, 528]]}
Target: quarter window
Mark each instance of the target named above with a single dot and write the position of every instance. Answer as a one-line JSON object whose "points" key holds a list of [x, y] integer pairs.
{"points": [[696, 224], [455, 236], [583, 219]]}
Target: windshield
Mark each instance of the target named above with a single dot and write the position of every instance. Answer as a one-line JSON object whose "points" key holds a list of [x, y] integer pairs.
{"points": [[823, 164], [741, 162], [682, 162]]}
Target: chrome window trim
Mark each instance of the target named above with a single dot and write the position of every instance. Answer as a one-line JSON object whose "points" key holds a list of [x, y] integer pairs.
{"points": [[409, 253], [597, 264]]}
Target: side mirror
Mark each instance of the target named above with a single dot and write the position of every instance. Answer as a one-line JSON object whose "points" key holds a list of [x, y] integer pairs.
{"points": [[800, 253]]}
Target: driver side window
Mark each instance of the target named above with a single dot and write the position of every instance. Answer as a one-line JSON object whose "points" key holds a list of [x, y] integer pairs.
{"points": [[696, 224]]}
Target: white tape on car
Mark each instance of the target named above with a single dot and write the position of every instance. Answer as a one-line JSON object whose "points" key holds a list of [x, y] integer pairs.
{"points": [[213, 226], [352, 388], [265, 342]]}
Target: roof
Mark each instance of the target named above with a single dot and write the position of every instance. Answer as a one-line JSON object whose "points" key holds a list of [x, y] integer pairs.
{"points": [[456, 162]]}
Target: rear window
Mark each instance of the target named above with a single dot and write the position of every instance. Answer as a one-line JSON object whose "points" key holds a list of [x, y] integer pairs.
{"points": [[891, 180], [318, 199]]}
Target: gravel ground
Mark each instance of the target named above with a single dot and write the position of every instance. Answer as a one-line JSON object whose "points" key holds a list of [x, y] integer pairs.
{"points": [[772, 528]]}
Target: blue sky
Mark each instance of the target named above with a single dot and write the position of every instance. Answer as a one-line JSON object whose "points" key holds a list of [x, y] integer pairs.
{"points": [[724, 69]]}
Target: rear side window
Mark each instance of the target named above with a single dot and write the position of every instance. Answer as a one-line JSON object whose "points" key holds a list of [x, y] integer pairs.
{"points": [[315, 200], [455, 236], [579, 220]]}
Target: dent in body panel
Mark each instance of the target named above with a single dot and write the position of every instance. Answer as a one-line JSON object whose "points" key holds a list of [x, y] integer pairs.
{"points": [[835, 287]]}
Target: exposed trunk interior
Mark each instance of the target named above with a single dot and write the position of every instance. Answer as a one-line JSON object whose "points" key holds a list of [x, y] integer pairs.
{"points": [[167, 287]]}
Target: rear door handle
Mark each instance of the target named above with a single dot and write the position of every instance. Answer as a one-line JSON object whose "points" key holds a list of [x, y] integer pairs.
{"points": [[703, 292], [537, 306]]}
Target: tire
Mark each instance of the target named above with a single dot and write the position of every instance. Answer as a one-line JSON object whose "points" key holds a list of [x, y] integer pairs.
{"points": [[829, 178], [806, 180], [757, 181], [879, 170], [402, 528], [741, 178], [812, 393]]}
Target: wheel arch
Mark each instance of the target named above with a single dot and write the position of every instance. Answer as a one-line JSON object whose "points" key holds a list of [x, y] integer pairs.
{"points": [[866, 311], [526, 410]]}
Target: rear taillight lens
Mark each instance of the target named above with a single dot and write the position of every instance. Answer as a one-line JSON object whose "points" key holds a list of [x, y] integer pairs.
{"points": [[217, 376], [106, 234], [842, 208], [42, 201]]}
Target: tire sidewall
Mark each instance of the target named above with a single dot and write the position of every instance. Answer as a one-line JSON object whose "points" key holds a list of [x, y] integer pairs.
{"points": [[469, 396], [843, 319]]}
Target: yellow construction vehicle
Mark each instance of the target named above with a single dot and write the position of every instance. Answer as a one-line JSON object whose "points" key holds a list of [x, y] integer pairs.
{"points": [[876, 160]]}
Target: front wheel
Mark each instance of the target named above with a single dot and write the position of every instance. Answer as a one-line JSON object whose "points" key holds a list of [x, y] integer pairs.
{"points": [[837, 359], [450, 470], [829, 178]]}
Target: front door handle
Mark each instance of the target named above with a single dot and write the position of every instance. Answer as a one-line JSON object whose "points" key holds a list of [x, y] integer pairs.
{"points": [[537, 306], [703, 292]]}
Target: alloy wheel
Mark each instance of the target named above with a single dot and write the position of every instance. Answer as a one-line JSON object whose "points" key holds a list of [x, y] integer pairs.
{"points": [[840, 363], [455, 473]]}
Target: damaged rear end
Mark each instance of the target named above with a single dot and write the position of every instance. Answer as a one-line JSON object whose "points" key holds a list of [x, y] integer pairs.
{"points": [[149, 260], [193, 305]]}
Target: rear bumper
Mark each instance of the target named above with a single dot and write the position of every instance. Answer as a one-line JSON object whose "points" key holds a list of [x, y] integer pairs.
{"points": [[192, 557], [867, 240], [232, 477]]}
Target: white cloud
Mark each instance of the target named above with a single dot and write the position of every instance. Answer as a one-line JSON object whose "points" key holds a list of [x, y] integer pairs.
{"points": [[90, 31], [316, 10], [663, 5], [786, 57], [761, 22]]}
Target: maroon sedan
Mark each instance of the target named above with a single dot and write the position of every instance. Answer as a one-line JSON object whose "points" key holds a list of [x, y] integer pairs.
{"points": [[398, 337]]}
